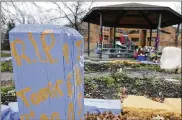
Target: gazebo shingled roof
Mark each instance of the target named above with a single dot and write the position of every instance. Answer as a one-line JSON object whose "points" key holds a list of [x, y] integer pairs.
{"points": [[133, 15]]}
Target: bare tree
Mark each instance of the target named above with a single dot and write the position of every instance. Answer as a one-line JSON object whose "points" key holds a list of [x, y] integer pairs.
{"points": [[173, 35], [73, 12], [20, 12], [177, 31]]}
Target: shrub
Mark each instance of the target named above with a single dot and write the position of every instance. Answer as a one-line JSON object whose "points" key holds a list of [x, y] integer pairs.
{"points": [[6, 66], [6, 89], [5, 54]]}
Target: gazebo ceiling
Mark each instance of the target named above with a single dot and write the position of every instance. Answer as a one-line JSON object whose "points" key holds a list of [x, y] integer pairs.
{"points": [[133, 15]]}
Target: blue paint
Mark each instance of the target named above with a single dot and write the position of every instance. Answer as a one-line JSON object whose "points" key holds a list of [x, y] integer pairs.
{"points": [[96, 106], [37, 75], [102, 105], [141, 58]]}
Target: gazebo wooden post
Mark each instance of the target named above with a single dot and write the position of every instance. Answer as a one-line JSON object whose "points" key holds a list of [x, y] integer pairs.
{"points": [[150, 44], [101, 37], [158, 32], [114, 37], [88, 39]]}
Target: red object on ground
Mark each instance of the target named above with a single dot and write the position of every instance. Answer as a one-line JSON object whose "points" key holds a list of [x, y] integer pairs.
{"points": [[140, 52], [122, 39]]}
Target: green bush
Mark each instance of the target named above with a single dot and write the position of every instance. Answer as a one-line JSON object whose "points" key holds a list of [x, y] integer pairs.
{"points": [[6, 66], [6, 89], [5, 54]]}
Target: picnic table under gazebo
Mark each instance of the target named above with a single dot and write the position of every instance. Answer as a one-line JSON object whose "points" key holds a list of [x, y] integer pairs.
{"points": [[132, 15]]}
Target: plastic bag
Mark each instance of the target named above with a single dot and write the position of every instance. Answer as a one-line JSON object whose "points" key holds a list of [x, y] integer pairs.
{"points": [[10, 112]]}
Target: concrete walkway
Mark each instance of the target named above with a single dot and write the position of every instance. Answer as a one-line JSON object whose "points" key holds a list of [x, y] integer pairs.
{"points": [[141, 102]]}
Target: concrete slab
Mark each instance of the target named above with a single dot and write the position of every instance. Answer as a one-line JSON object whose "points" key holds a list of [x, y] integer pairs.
{"points": [[170, 104]]}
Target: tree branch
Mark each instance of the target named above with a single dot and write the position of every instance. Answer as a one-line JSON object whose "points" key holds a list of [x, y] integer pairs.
{"points": [[70, 9], [89, 8], [39, 8], [56, 18], [63, 12]]}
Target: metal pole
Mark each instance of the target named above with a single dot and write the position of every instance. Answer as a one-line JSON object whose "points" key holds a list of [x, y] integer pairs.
{"points": [[101, 35], [158, 32], [88, 39], [150, 37], [114, 37], [176, 36]]}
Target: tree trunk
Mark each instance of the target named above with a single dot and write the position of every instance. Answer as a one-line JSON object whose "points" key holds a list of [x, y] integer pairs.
{"points": [[176, 36]]}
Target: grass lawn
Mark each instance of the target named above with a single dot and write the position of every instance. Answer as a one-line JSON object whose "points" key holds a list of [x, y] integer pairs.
{"points": [[5, 54]]}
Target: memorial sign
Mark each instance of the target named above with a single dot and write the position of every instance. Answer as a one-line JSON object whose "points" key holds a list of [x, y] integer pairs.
{"points": [[48, 72]]}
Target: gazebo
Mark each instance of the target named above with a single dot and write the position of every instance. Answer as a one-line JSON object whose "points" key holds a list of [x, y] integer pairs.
{"points": [[132, 15]]}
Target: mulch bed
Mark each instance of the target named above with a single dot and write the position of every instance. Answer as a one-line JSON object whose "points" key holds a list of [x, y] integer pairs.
{"points": [[136, 114]]}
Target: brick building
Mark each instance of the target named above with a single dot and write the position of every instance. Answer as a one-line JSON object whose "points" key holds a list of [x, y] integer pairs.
{"points": [[133, 34]]}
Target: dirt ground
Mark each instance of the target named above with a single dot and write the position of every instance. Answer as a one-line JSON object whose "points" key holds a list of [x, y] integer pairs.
{"points": [[142, 108], [133, 113]]}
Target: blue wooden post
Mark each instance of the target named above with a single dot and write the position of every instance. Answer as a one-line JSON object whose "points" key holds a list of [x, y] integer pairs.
{"points": [[48, 72]]}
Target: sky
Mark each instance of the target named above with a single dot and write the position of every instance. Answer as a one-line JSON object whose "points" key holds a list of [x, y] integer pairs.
{"points": [[49, 12], [168, 4]]}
